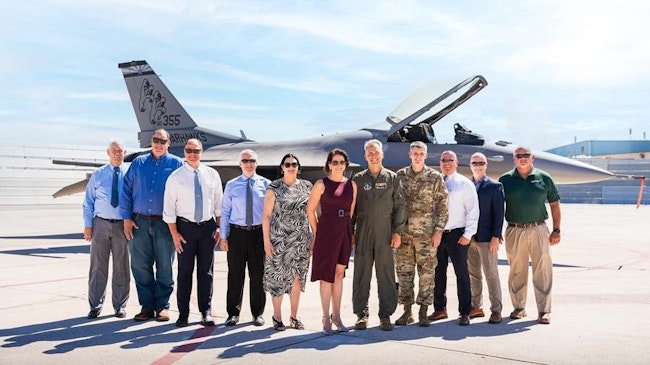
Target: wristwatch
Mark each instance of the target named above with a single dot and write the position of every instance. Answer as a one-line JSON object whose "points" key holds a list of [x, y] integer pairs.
{"points": [[556, 230]]}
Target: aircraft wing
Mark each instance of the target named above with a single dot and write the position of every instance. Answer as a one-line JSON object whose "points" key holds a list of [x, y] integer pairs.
{"points": [[78, 187], [75, 162]]}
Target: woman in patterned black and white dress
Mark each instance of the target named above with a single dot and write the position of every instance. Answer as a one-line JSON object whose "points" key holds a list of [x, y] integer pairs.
{"points": [[287, 240]]}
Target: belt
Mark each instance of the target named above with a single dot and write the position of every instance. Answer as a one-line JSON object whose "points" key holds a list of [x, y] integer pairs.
{"points": [[339, 213], [185, 220], [526, 225], [246, 228], [109, 220], [453, 229], [147, 217]]}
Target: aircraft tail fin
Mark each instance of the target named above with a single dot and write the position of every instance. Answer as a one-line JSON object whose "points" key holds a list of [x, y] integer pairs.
{"points": [[156, 107]]}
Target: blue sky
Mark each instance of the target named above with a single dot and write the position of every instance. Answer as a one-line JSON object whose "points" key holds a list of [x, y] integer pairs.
{"points": [[557, 70]]}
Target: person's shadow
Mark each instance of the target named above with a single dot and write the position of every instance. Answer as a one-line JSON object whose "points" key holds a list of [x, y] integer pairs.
{"points": [[243, 343]]}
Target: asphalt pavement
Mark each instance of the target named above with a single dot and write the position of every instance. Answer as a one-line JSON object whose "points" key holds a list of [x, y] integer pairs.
{"points": [[601, 295]]}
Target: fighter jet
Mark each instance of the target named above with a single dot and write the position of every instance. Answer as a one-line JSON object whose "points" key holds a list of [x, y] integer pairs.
{"points": [[412, 120]]}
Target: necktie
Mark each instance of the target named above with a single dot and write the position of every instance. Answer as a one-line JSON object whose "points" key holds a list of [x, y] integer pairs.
{"points": [[249, 203], [115, 196], [198, 199]]}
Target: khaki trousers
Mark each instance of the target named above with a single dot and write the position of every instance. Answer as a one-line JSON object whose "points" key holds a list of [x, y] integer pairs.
{"points": [[479, 256], [522, 243]]}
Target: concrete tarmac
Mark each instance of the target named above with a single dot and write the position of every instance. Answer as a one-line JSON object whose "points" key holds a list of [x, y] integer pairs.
{"points": [[601, 307]]}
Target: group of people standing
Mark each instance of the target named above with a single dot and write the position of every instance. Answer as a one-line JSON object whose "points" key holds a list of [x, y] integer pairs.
{"points": [[415, 219]]}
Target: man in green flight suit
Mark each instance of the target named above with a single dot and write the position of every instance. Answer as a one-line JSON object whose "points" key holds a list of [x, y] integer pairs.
{"points": [[379, 223]]}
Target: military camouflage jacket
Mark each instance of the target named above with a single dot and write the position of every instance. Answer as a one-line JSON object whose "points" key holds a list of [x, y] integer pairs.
{"points": [[426, 200]]}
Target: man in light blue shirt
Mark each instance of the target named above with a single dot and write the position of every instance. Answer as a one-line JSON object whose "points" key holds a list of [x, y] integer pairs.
{"points": [[104, 227], [141, 206], [241, 236]]}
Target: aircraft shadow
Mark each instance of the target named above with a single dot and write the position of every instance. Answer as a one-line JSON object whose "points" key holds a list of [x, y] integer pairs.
{"points": [[50, 252]]}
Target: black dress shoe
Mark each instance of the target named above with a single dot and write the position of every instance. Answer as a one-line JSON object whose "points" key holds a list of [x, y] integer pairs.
{"points": [[120, 313], [232, 320], [181, 322], [258, 321], [206, 319], [94, 313]]}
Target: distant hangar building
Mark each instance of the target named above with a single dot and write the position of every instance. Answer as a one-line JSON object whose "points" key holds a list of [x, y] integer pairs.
{"points": [[626, 157]]}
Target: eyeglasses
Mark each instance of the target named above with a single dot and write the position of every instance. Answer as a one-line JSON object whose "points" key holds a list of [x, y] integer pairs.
{"points": [[522, 155], [447, 159], [193, 150], [338, 162], [478, 163], [159, 140], [290, 164], [248, 160]]}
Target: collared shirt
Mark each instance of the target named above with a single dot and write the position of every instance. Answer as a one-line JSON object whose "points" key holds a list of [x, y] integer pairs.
{"points": [[97, 201], [144, 184], [233, 208], [463, 204], [526, 198], [179, 193]]}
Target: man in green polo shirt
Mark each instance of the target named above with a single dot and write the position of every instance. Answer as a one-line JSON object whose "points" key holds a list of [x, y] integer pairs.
{"points": [[527, 189]]}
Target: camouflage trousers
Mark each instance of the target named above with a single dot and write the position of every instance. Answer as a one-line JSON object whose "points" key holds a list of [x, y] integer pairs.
{"points": [[416, 251]]}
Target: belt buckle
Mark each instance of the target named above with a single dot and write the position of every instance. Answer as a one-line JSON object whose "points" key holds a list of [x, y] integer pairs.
{"points": [[341, 213]]}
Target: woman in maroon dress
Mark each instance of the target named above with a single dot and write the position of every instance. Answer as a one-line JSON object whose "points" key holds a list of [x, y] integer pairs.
{"points": [[332, 230]]}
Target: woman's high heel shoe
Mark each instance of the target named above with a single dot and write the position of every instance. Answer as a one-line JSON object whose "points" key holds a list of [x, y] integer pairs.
{"points": [[336, 320], [327, 325]]}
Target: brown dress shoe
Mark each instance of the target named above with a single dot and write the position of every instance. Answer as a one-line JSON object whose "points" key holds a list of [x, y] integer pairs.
{"points": [[476, 312], [463, 320], [437, 315], [518, 313], [495, 317], [162, 316], [144, 315]]}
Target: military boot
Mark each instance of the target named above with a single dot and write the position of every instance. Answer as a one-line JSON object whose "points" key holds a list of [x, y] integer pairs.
{"points": [[423, 320], [406, 318]]}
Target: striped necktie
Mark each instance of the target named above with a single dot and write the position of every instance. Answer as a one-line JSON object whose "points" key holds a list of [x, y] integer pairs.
{"points": [[249, 203], [198, 199], [115, 195]]}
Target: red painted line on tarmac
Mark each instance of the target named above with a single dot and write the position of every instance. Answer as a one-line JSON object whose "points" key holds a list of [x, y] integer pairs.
{"points": [[43, 282], [197, 339]]}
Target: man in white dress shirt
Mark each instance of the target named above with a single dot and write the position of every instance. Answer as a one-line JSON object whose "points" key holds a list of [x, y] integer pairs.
{"points": [[192, 210], [461, 226]]}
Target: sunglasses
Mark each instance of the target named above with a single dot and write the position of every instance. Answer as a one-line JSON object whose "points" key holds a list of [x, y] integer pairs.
{"points": [[248, 160], [290, 164], [337, 162], [522, 155], [478, 163], [193, 150], [447, 159], [159, 140]]}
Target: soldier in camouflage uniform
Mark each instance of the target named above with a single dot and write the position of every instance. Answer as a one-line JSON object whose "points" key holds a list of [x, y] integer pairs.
{"points": [[426, 216]]}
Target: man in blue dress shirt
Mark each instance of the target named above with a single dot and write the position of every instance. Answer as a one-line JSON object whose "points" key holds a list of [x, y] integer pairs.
{"points": [[104, 227], [141, 206], [241, 236]]}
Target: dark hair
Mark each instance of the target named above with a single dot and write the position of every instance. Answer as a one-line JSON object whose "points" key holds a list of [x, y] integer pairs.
{"points": [[288, 155], [330, 156]]}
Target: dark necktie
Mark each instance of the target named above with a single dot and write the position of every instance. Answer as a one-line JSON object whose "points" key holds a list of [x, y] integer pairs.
{"points": [[115, 195], [198, 199], [249, 203]]}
